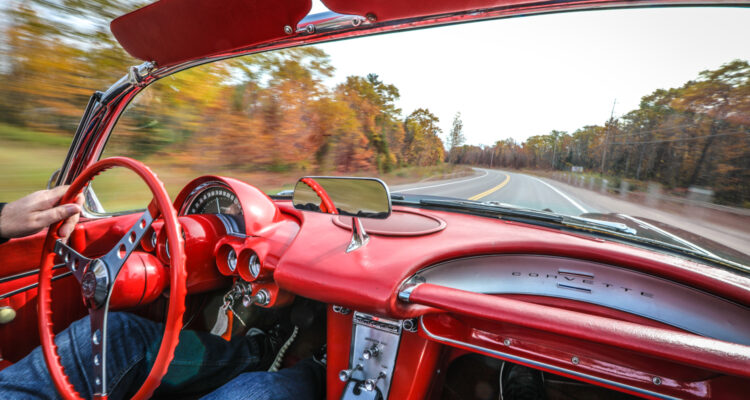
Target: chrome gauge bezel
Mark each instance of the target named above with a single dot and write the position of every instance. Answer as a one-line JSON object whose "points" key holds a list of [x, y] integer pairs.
{"points": [[230, 224], [253, 265]]}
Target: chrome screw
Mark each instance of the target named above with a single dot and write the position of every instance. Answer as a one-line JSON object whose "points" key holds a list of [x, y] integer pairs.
{"points": [[656, 380], [288, 30], [575, 360], [506, 342]]}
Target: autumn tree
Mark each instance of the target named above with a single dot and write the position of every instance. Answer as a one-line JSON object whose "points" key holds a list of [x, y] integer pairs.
{"points": [[374, 103], [51, 68], [423, 144]]}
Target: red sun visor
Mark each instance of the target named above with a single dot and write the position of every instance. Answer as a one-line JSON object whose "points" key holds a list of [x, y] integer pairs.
{"points": [[174, 31]]}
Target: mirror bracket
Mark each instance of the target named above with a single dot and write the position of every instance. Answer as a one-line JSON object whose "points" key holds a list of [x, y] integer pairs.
{"points": [[360, 238]]}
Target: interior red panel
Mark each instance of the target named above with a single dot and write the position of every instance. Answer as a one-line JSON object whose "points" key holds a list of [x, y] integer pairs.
{"points": [[339, 335], [172, 31], [331, 275], [680, 347], [595, 363], [415, 367], [20, 336], [21, 255]]}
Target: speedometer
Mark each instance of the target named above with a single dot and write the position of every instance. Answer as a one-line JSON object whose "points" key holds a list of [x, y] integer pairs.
{"points": [[216, 198]]}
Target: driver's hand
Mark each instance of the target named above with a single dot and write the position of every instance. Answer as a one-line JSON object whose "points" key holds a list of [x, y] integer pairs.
{"points": [[30, 214]]}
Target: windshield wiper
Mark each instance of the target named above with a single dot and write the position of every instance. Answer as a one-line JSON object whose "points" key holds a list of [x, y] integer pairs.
{"points": [[579, 223], [600, 224], [546, 216], [493, 209], [610, 229]]}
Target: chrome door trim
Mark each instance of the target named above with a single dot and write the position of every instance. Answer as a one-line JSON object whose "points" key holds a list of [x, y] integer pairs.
{"points": [[536, 364]]}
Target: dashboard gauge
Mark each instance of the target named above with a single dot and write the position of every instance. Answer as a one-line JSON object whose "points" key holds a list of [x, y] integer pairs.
{"points": [[216, 198]]}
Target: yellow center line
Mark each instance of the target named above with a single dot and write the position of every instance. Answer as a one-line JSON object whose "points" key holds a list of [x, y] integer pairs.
{"points": [[492, 190]]}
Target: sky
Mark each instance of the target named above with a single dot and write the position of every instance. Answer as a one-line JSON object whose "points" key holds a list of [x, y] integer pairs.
{"points": [[518, 77]]}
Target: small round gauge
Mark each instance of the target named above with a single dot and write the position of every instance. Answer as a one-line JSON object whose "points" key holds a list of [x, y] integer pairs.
{"points": [[215, 198]]}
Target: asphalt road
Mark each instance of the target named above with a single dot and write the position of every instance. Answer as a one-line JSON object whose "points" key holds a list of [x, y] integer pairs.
{"points": [[505, 187]]}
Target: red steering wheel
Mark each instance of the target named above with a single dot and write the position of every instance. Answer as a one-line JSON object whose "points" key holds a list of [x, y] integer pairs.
{"points": [[97, 278], [326, 204]]}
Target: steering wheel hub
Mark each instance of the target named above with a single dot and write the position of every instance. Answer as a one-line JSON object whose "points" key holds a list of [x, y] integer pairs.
{"points": [[88, 285], [95, 284]]}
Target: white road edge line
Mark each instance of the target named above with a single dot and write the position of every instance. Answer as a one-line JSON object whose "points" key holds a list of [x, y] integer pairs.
{"points": [[565, 196], [442, 184]]}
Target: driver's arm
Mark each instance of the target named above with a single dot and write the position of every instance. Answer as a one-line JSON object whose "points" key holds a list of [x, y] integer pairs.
{"points": [[29, 215]]}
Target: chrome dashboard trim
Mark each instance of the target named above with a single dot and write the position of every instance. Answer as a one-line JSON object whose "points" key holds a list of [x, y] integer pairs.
{"points": [[26, 273], [328, 21], [190, 199], [33, 285], [605, 285], [405, 293], [536, 364]]}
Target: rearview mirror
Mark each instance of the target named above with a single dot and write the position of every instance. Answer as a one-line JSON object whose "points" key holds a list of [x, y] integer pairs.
{"points": [[356, 197]]}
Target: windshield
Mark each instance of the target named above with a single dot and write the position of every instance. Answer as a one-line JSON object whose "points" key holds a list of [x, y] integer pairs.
{"points": [[635, 121]]}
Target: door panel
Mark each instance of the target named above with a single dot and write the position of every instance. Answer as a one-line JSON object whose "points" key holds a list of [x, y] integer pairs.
{"points": [[19, 275]]}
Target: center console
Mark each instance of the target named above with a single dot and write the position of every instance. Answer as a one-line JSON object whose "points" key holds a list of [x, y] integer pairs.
{"points": [[374, 348]]}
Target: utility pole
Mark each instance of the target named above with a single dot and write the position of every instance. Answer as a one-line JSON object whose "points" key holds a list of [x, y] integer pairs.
{"points": [[606, 137], [492, 155]]}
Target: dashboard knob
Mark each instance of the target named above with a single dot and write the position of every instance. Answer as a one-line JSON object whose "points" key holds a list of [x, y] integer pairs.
{"points": [[346, 374], [372, 352], [371, 384]]}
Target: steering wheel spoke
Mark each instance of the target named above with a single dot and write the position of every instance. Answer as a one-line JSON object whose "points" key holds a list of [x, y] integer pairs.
{"points": [[75, 262], [115, 258], [98, 321]]}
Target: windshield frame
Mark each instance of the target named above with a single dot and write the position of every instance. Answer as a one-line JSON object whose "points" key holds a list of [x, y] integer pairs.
{"points": [[105, 108]]}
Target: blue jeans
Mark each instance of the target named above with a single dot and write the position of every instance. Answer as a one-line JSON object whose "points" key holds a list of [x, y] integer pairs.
{"points": [[202, 363]]}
